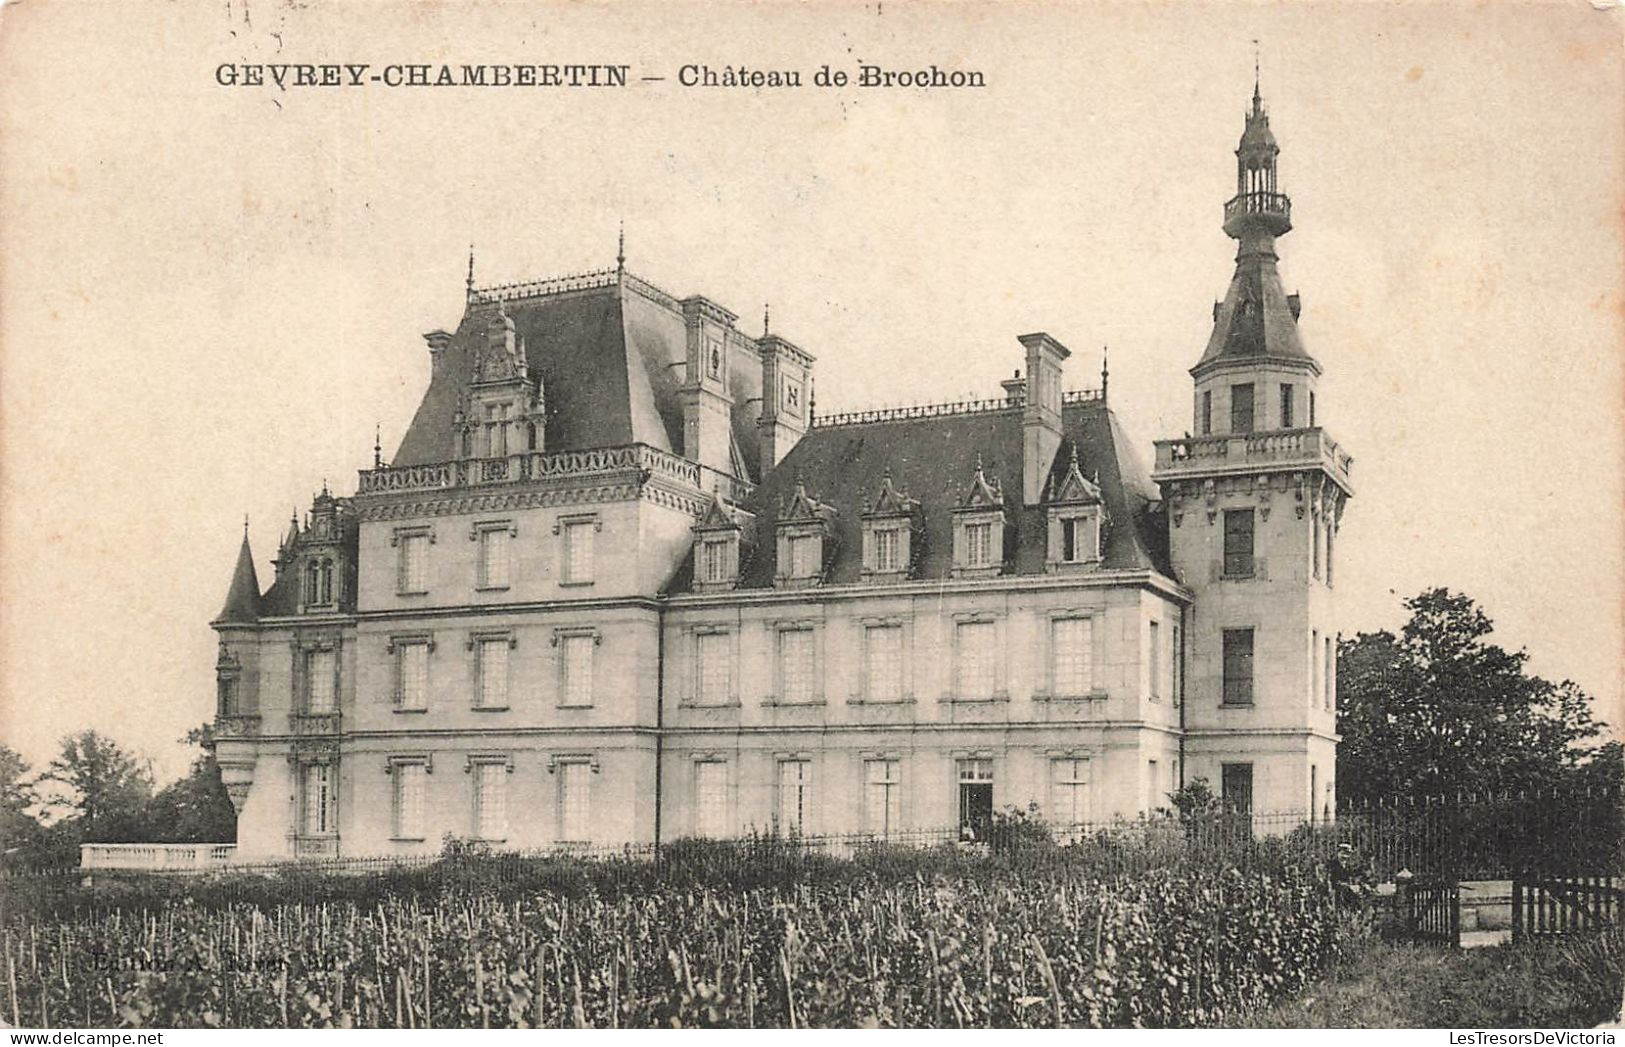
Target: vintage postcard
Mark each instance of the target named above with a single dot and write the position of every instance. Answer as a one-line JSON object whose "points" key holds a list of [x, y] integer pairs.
{"points": [[812, 515]]}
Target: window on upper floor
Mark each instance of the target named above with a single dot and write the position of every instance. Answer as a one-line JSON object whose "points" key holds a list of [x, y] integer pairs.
{"points": [[321, 682], [494, 550], [1311, 407], [1176, 660], [1331, 530], [578, 549], [1238, 543], [883, 662], [713, 655], [888, 543], [797, 681], [496, 430], [714, 561], [1329, 677], [1071, 656], [978, 544], [1287, 419], [1207, 412], [1154, 660], [977, 655], [576, 654], [1238, 666], [1241, 408], [412, 673], [806, 555], [412, 562], [491, 672]]}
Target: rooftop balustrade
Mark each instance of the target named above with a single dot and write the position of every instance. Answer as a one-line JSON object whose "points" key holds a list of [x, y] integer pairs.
{"points": [[1249, 452]]}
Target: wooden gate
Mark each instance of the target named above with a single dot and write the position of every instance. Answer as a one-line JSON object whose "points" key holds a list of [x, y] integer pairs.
{"points": [[1555, 905], [1434, 911]]}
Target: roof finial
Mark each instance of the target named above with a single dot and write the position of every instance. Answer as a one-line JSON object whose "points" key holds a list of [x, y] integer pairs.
{"points": [[468, 284], [620, 250], [1257, 101], [1105, 373], [245, 527], [766, 312], [377, 445]]}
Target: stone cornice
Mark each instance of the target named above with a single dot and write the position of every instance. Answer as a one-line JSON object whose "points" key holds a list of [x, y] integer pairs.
{"points": [[628, 486], [1140, 578]]}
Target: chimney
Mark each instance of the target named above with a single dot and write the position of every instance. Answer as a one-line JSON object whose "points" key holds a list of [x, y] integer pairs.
{"points": [[1015, 388], [786, 389], [1041, 412], [438, 342]]}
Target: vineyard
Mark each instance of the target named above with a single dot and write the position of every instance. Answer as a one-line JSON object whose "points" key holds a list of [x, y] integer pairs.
{"points": [[943, 941]]}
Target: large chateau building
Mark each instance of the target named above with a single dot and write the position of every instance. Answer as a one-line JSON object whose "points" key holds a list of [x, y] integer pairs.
{"points": [[620, 583]]}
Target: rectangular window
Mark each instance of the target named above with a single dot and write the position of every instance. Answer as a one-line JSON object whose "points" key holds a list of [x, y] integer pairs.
{"points": [[715, 654], [413, 566], [494, 557], [975, 797], [1329, 675], [1155, 661], [492, 688], [1286, 405], [1314, 529], [412, 657], [409, 782], [578, 563], [1238, 543], [711, 799], [796, 665], [795, 796], [714, 561], [576, 654], [491, 801], [575, 802], [883, 649], [1314, 790], [886, 550], [883, 797], [1236, 787], [1069, 791], [1176, 659], [1311, 407], [319, 673], [1153, 782], [804, 556], [977, 669], [1314, 666], [1071, 655], [1078, 540], [1207, 412], [318, 798], [1241, 408], [1238, 666], [496, 430], [978, 544], [1330, 530]]}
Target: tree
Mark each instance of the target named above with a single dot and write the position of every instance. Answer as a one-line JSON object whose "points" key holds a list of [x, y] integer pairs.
{"points": [[195, 809], [1439, 709], [19, 830], [107, 789]]}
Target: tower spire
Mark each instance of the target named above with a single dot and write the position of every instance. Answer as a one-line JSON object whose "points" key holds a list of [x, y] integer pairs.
{"points": [[620, 250], [766, 312], [1105, 377], [1257, 99]]}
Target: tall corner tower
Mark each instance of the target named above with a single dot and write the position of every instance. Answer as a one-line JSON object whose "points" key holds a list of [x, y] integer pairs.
{"points": [[1254, 500]]}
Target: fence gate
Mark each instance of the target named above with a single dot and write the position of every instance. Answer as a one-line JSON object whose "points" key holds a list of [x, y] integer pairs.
{"points": [[1553, 905], [1434, 911]]}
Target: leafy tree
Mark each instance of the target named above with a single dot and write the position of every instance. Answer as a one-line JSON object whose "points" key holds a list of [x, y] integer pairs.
{"points": [[1439, 709], [106, 788], [195, 809], [19, 830]]}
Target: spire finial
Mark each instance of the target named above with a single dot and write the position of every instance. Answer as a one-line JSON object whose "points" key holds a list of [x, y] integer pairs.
{"points": [[766, 312], [1105, 372], [468, 282], [1257, 101], [377, 445], [620, 250], [245, 527]]}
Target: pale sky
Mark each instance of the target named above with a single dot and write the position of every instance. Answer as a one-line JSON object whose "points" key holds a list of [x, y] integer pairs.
{"points": [[208, 295]]}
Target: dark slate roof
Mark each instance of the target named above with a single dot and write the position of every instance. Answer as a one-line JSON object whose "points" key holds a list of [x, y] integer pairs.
{"points": [[243, 598], [605, 356], [933, 460], [1256, 318]]}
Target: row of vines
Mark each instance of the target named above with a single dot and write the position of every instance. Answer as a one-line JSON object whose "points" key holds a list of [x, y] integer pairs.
{"points": [[1166, 948]]}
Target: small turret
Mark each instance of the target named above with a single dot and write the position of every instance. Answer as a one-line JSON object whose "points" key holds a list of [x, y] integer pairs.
{"points": [[243, 597]]}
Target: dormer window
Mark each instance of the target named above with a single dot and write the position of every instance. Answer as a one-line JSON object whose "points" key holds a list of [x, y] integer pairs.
{"points": [[1076, 520], [979, 528], [805, 530], [717, 540], [889, 527]]}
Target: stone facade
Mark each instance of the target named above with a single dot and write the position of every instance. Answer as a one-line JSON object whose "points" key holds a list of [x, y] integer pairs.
{"points": [[620, 584]]}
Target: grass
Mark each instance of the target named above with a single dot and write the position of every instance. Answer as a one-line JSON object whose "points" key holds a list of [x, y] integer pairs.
{"points": [[1563, 983]]}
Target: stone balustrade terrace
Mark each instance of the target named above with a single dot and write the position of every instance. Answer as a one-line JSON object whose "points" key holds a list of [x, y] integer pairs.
{"points": [[533, 466], [1247, 452], [155, 857]]}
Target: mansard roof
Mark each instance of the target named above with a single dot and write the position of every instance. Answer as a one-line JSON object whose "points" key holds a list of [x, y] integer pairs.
{"points": [[243, 597], [607, 349], [934, 459]]}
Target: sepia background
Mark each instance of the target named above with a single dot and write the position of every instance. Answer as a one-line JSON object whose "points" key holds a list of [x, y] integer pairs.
{"points": [[209, 296]]}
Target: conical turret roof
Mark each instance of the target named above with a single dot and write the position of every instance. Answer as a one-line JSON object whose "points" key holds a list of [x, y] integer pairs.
{"points": [[243, 598]]}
